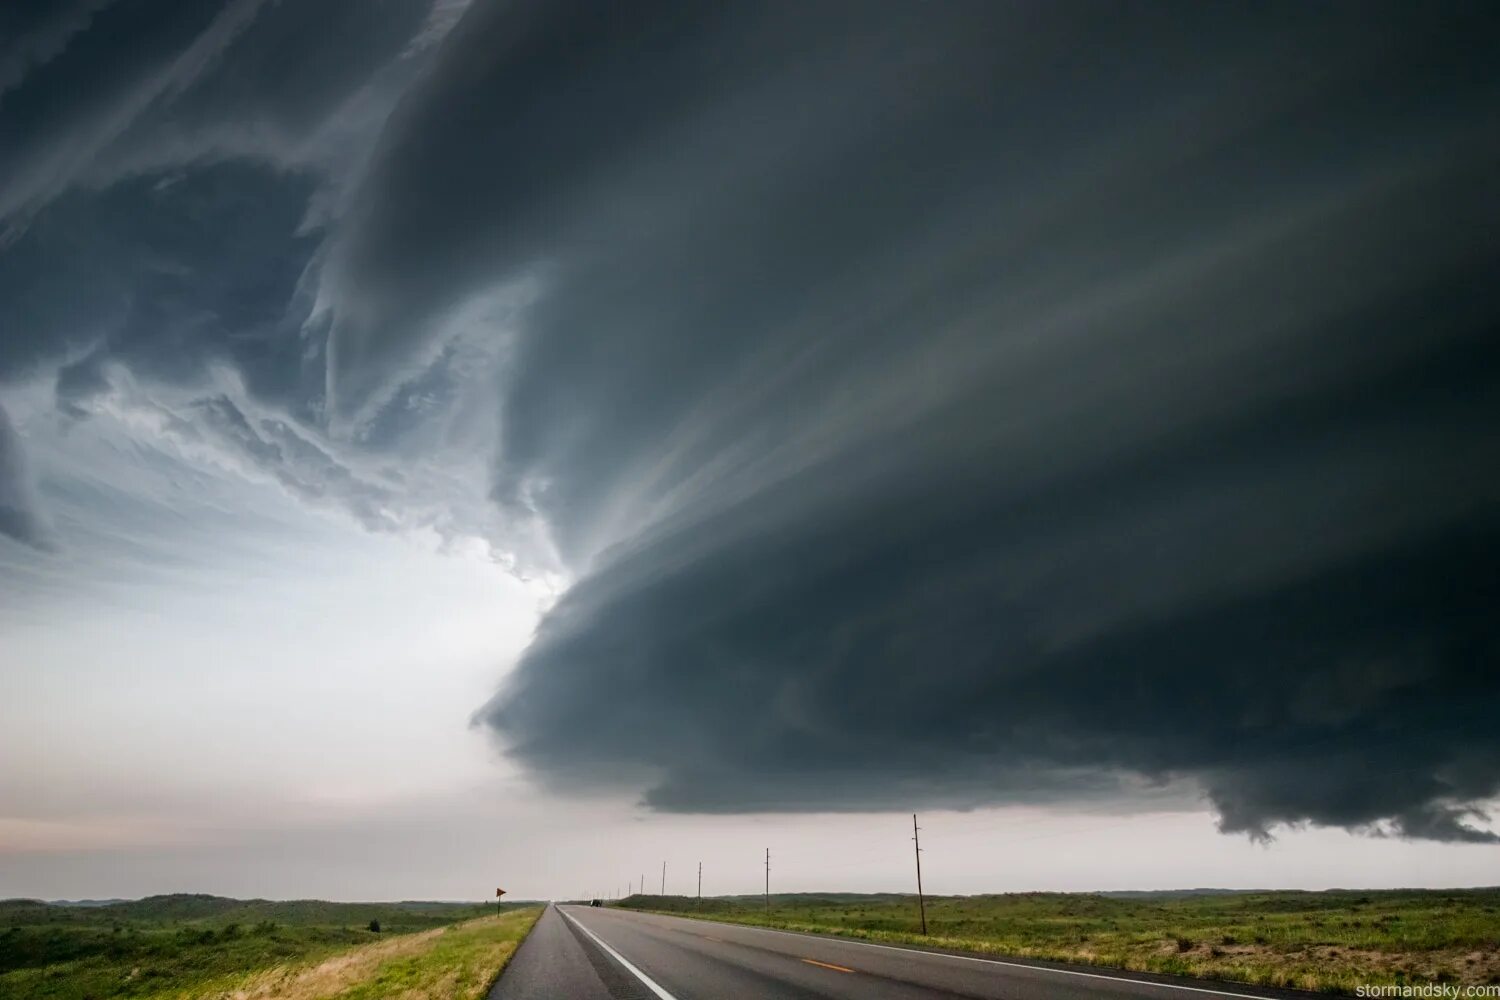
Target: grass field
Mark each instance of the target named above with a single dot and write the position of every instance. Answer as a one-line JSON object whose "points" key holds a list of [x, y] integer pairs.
{"points": [[183, 947], [1328, 941]]}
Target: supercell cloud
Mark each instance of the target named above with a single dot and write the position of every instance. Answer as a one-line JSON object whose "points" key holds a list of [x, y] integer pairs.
{"points": [[950, 405]]}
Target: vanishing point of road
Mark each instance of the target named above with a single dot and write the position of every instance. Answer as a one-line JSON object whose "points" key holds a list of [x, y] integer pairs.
{"points": [[591, 953]]}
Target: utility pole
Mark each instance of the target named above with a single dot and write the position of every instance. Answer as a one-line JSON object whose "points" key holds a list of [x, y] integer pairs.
{"points": [[663, 878], [643, 885], [768, 880], [921, 903], [700, 880]]}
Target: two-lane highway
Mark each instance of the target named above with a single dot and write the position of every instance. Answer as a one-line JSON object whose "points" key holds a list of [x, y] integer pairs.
{"points": [[588, 953]]}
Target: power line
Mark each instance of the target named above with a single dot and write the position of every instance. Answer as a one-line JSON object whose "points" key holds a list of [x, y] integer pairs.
{"points": [[917, 844]]}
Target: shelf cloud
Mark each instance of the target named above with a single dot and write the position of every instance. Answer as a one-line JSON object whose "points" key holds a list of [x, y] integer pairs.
{"points": [[918, 406]]}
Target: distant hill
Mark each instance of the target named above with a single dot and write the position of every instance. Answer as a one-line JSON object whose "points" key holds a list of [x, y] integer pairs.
{"points": [[1280, 893], [24, 911], [183, 908], [178, 906], [1178, 893], [821, 897], [1282, 897]]}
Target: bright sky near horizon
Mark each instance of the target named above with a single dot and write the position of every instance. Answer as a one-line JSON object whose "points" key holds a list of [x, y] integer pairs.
{"points": [[294, 721], [494, 443]]}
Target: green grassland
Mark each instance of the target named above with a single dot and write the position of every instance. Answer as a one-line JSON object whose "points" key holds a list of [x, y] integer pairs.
{"points": [[457, 963], [1329, 941], [182, 945]]}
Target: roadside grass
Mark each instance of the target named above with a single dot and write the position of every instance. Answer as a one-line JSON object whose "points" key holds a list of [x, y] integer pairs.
{"points": [[1326, 941], [451, 963], [182, 946]]}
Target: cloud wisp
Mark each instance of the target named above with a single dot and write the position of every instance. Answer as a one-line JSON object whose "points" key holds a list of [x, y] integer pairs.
{"points": [[949, 406], [20, 514]]}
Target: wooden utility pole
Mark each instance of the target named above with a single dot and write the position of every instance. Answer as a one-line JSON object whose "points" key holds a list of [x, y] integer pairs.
{"points": [[663, 878], [921, 903], [700, 880], [768, 880]]}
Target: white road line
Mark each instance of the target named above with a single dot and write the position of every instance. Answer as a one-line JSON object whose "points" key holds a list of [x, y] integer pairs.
{"points": [[990, 961], [650, 983]]}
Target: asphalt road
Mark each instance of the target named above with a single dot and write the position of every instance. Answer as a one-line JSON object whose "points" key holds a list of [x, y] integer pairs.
{"points": [[586, 953]]}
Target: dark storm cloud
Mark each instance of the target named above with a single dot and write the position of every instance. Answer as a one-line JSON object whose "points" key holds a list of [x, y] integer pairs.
{"points": [[997, 405], [166, 175], [19, 516], [132, 87], [161, 167], [934, 404], [32, 33], [164, 278]]}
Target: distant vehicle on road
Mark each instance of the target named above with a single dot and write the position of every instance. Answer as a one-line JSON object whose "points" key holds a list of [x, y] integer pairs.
{"points": [[596, 902]]}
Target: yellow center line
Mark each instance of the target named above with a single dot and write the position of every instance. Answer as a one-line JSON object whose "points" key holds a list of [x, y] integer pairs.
{"points": [[825, 965], [712, 938]]}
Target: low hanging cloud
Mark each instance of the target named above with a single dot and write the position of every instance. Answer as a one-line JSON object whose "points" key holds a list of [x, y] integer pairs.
{"points": [[170, 176], [20, 516], [954, 405], [1041, 407]]}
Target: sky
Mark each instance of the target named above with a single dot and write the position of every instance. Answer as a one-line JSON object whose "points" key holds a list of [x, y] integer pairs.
{"points": [[447, 445]]}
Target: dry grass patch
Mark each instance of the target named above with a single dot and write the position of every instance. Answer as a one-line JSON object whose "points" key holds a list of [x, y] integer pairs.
{"points": [[328, 977], [450, 963]]}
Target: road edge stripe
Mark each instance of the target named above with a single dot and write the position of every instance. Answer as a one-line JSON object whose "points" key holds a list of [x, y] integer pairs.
{"points": [[637, 973]]}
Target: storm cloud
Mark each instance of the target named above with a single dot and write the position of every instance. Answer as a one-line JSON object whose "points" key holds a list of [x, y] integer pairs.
{"points": [[1038, 402], [19, 514], [171, 174], [926, 405]]}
